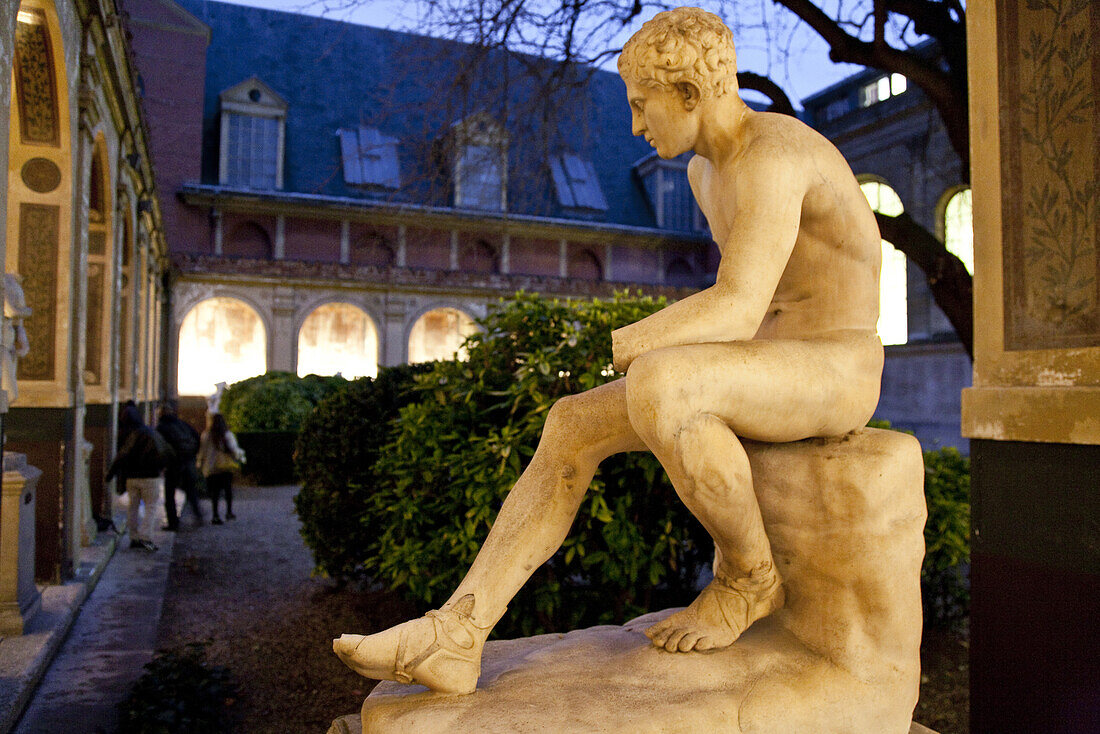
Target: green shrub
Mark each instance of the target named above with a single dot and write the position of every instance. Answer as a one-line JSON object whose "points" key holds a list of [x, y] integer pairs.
{"points": [[945, 584], [458, 450], [276, 401], [944, 581], [179, 693], [334, 459]]}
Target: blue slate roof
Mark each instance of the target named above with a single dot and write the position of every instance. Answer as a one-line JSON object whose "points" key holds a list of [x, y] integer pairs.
{"points": [[337, 75]]}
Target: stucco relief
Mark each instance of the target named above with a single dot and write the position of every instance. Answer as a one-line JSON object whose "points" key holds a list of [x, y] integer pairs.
{"points": [[1049, 132], [35, 83], [38, 232]]}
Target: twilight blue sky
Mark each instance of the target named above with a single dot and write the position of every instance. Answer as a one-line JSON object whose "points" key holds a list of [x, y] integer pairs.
{"points": [[769, 40]]}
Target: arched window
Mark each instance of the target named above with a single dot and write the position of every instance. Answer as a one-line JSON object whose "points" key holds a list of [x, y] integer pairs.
{"points": [[584, 265], [338, 338], [478, 257], [439, 334], [221, 340], [372, 249], [248, 240], [958, 228], [680, 273], [893, 326]]}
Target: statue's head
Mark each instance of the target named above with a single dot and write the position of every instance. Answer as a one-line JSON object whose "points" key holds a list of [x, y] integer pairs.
{"points": [[682, 45]]}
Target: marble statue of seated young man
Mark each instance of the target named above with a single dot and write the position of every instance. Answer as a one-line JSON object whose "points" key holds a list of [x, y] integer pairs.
{"points": [[782, 347]]}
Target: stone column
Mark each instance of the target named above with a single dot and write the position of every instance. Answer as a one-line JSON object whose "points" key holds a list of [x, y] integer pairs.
{"points": [[282, 338], [1033, 415], [394, 348]]}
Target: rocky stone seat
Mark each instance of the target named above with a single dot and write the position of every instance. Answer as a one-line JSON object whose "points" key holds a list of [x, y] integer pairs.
{"points": [[845, 518]]}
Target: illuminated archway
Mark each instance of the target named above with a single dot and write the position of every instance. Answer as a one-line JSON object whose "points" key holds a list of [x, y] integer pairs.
{"points": [[221, 340], [439, 334], [958, 228], [893, 318], [338, 338]]}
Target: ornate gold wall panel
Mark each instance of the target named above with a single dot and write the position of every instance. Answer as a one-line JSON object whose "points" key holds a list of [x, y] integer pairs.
{"points": [[93, 362], [35, 85], [38, 233], [1049, 82]]}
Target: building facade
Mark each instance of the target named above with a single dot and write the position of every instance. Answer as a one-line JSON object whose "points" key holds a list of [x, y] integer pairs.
{"points": [[339, 197], [82, 234]]}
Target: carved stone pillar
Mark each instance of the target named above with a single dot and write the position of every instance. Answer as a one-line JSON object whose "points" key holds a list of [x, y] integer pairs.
{"points": [[19, 597]]}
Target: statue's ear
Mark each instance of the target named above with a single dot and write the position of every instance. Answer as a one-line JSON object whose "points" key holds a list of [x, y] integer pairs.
{"points": [[689, 93]]}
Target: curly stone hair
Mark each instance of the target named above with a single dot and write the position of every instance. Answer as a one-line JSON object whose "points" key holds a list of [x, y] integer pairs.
{"points": [[685, 44]]}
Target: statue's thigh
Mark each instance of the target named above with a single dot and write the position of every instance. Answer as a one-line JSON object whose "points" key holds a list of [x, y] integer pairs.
{"points": [[764, 390]]}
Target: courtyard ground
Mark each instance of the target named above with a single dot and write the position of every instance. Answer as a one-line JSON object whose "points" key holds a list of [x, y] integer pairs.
{"points": [[246, 587]]}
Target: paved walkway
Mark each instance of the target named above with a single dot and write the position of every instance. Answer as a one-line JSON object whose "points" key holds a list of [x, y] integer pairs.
{"points": [[108, 645]]}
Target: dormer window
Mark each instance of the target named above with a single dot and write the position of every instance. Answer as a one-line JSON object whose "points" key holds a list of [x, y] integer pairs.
{"points": [[576, 183], [669, 193], [370, 158], [253, 130], [480, 164], [882, 89]]}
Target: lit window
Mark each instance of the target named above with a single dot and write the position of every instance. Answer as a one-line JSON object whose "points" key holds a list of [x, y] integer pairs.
{"points": [[253, 122], [958, 228], [898, 84], [438, 335], [893, 319], [221, 340], [882, 89], [338, 338], [370, 158], [576, 183]]}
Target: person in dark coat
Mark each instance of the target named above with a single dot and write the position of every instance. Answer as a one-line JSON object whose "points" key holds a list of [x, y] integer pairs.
{"points": [[181, 472], [139, 463]]}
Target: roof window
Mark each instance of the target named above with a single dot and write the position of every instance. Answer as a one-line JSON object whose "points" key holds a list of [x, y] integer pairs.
{"points": [[576, 183], [253, 128], [480, 164], [370, 158]]}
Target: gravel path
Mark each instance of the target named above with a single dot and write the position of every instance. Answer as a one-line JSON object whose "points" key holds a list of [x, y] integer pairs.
{"points": [[245, 586]]}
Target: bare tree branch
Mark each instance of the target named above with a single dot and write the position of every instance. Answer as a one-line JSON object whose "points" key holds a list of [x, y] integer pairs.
{"points": [[780, 102], [942, 87]]}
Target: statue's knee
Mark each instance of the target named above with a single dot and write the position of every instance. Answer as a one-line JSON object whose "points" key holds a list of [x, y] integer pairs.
{"points": [[650, 402], [562, 416]]}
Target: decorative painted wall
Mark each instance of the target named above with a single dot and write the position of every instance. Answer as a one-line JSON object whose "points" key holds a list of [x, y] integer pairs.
{"points": [[1048, 88]]}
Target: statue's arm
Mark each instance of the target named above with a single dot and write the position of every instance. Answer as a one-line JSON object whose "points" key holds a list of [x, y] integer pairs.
{"points": [[757, 233]]}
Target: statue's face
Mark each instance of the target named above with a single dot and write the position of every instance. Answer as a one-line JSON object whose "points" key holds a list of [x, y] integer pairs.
{"points": [[662, 117]]}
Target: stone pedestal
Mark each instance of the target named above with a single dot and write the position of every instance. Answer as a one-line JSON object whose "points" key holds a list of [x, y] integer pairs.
{"points": [[845, 518], [19, 597]]}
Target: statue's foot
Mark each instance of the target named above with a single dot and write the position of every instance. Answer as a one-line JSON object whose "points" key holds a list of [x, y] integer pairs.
{"points": [[719, 615], [441, 650]]}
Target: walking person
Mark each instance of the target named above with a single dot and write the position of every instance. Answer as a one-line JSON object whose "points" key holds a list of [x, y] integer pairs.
{"points": [[219, 457], [138, 465], [181, 472]]}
